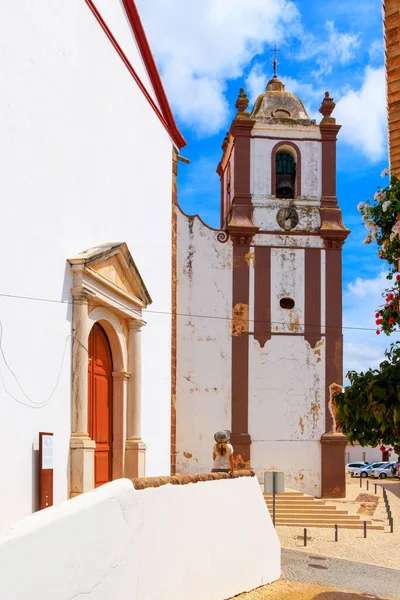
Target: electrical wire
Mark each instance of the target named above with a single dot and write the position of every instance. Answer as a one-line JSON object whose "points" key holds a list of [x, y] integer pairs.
{"points": [[34, 404], [196, 316]]}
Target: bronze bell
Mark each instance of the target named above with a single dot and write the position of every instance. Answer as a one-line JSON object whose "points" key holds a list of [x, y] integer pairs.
{"points": [[285, 175], [285, 185]]}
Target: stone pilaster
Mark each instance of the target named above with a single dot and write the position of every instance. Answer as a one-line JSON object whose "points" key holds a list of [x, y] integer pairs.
{"points": [[82, 447], [135, 449]]}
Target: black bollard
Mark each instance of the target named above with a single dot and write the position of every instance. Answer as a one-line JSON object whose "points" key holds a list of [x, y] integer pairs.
{"points": [[336, 533], [367, 485], [361, 481], [305, 536], [376, 487], [391, 525], [365, 529]]}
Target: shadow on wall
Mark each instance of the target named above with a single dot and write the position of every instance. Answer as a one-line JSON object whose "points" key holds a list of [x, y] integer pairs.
{"points": [[35, 479], [66, 290]]}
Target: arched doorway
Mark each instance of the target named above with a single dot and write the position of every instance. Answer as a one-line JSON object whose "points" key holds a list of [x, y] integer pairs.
{"points": [[100, 410]]}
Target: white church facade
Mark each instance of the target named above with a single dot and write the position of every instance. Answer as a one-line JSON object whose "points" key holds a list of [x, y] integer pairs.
{"points": [[261, 350], [87, 248]]}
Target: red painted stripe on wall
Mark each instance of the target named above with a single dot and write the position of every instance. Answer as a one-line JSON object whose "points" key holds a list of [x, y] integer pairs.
{"points": [[312, 318], [262, 295], [240, 353]]}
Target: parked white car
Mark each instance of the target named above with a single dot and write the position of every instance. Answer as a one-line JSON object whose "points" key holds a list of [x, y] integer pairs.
{"points": [[385, 471], [351, 466], [366, 470]]}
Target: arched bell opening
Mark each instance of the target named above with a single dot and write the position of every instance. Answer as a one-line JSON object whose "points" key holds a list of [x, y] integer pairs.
{"points": [[286, 171], [285, 175]]}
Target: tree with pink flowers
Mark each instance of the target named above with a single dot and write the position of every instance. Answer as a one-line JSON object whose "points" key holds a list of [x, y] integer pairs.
{"points": [[382, 220], [368, 410]]}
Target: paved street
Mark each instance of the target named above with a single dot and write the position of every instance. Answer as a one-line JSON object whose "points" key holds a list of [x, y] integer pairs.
{"points": [[344, 574]]}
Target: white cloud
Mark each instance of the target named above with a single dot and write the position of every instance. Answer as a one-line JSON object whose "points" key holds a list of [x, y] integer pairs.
{"points": [[207, 43], [376, 51], [362, 113], [362, 347], [256, 81], [337, 48]]}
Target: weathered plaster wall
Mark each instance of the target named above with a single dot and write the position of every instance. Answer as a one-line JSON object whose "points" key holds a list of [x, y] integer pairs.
{"points": [[265, 214], [79, 148], [287, 275], [204, 342], [286, 378], [119, 542], [286, 409], [285, 240]]}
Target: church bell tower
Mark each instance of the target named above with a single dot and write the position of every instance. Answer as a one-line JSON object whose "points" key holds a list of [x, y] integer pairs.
{"points": [[280, 212]]}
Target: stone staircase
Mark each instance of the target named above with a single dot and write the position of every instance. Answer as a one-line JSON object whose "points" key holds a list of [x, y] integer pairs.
{"points": [[296, 509]]}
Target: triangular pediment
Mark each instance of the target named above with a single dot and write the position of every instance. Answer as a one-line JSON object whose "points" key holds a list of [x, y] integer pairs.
{"points": [[113, 263]]}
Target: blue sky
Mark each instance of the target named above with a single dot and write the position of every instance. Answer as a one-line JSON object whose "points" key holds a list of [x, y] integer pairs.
{"points": [[207, 50]]}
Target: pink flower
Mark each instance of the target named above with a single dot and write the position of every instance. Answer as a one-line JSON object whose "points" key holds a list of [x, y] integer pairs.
{"points": [[378, 332], [397, 277], [385, 172], [391, 321], [378, 314]]}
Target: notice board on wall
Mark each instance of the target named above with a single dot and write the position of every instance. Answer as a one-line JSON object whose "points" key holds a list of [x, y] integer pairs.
{"points": [[46, 466]]}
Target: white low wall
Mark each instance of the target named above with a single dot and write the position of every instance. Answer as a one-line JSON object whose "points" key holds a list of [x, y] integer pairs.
{"points": [[208, 540]]}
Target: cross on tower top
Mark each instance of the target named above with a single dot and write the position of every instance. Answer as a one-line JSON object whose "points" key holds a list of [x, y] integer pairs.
{"points": [[275, 59]]}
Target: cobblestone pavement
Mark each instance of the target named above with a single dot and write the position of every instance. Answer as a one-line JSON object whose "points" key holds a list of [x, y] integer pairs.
{"points": [[344, 574]]}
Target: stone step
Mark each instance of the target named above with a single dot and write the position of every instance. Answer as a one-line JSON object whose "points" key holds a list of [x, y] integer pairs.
{"points": [[307, 511], [295, 509], [294, 499], [298, 505], [323, 518], [290, 495], [302, 524]]}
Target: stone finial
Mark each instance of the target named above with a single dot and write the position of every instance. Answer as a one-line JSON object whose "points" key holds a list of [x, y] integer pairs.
{"points": [[242, 102], [225, 142], [327, 106]]}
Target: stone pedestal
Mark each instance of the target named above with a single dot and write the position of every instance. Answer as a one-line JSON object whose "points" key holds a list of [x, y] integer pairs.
{"points": [[82, 464], [333, 476], [135, 459]]}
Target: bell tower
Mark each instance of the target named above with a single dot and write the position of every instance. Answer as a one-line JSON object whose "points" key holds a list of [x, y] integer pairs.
{"points": [[280, 212]]}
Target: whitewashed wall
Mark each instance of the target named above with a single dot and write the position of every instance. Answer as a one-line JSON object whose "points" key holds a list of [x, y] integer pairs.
{"points": [[84, 161], [204, 342], [358, 453], [117, 542]]}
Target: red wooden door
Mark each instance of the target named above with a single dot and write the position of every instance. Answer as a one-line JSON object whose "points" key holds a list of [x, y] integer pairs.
{"points": [[100, 403]]}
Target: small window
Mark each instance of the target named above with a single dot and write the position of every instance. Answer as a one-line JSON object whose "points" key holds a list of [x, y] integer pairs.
{"points": [[287, 303], [285, 175]]}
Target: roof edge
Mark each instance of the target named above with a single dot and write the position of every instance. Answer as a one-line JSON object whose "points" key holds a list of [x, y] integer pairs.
{"points": [[151, 67]]}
